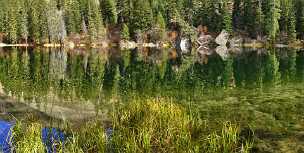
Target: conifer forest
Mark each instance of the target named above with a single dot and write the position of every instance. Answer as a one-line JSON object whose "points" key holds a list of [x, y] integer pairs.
{"points": [[42, 21]]}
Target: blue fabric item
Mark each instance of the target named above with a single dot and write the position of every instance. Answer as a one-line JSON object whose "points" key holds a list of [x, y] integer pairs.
{"points": [[5, 136], [51, 137]]}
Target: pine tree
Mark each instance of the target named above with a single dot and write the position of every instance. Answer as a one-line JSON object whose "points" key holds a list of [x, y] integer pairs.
{"points": [[12, 23], [125, 35], [38, 27], [272, 16], [249, 15], [72, 16], [173, 9], [253, 17], [158, 6], [22, 21], [160, 21], [56, 25], [237, 14], [141, 16], [188, 12], [160, 25], [300, 18], [259, 19], [124, 8], [95, 25], [215, 21], [227, 16], [109, 12], [2, 15], [202, 12], [287, 20]]}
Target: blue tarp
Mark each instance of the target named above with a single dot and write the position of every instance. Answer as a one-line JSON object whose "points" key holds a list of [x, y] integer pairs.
{"points": [[50, 137], [5, 136]]}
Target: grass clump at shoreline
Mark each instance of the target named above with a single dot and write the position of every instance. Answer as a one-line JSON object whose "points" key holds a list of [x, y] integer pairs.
{"points": [[160, 126], [152, 127], [28, 140], [149, 126]]}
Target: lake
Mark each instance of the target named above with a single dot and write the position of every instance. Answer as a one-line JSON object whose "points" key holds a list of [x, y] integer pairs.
{"points": [[260, 89]]}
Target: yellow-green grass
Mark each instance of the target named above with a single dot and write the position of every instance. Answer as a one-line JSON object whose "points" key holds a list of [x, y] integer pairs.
{"points": [[141, 126]]}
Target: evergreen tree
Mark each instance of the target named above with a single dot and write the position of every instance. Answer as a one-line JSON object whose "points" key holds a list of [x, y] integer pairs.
{"points": [[287, 20], [202, 12], [141, 16], [95, 24], [109, 12], [72, 16], [38, 27], [158, 6], [56, 25], [124, 10], [22, 21], [188, 11], [12, 21], [272, 16], [125, 35], [259, 19], [227, 16], [237, 14], [253, 17], [249, 15], [214, 13], [173, 9], [160, 22], [300, 18], [160, 25], [2, 15]]}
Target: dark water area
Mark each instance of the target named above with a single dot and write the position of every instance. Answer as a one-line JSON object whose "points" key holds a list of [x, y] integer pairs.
{"points": [[262, 89]]}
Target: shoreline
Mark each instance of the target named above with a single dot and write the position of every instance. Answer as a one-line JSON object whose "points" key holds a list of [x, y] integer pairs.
{"points": [[132, 44]]}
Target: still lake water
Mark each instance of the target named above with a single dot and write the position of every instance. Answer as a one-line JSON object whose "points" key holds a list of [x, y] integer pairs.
{"points": [[258, 88]]}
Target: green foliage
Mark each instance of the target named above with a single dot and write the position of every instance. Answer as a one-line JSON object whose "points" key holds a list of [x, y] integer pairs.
{"points": [[38, 26], [254, 17], [28, 140], [92, 137], [237, 14], [56, 24], [300, 18], [227, 16], [272, 17], [125, 35], [72, 16], [23, 19], [288, 19], [141, 16], [124, 8], [109, 12], [95, 24], [154, 125]]}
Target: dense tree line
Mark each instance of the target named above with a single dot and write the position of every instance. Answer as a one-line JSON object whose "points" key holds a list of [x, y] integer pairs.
{"points": [[43, 21]]}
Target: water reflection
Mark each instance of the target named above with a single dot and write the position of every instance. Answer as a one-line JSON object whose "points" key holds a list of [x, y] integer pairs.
{"points": [[99, 77]]}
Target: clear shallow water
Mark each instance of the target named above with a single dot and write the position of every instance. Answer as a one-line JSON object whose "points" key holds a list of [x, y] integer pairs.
{"points": [[260, 89]]}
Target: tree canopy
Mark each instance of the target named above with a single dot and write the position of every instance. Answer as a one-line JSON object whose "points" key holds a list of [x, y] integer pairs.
{"points": [[42, 21]]}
